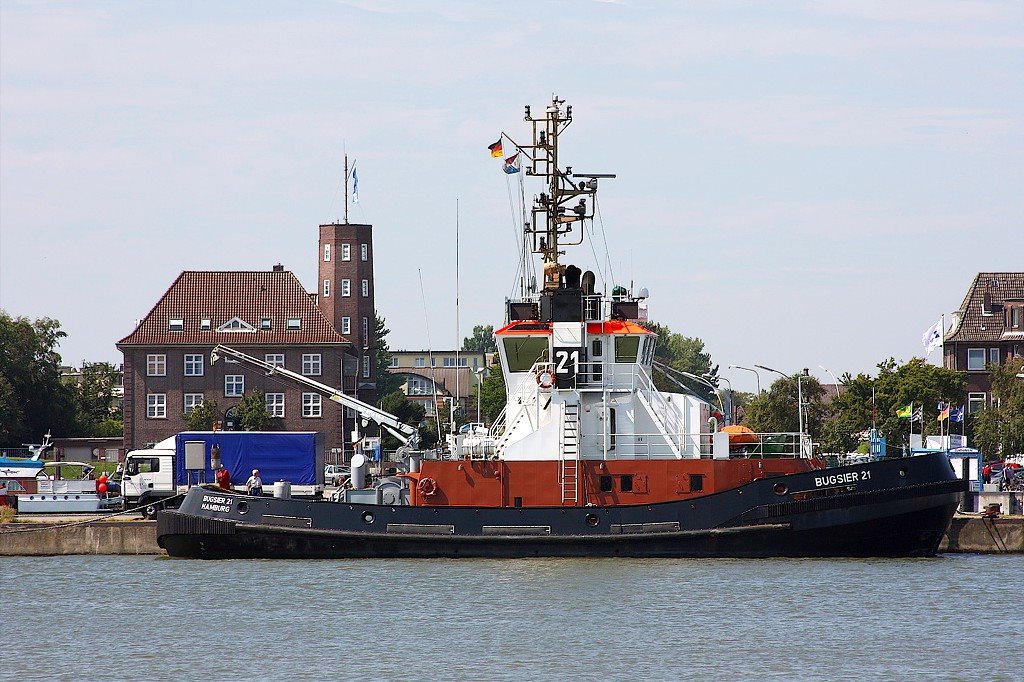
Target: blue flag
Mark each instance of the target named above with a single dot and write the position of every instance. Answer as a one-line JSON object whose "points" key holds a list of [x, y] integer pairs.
{"points": [[956, 415]]}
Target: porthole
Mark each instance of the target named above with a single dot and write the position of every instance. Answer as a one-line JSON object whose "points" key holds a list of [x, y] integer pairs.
{"points": [[243, 507], [903, 472], [781, 489], [592, 520], [367, 517]]}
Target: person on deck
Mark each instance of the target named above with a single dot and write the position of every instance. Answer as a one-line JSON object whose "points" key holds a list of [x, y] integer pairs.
{"points": [[254, 486], [223, 477]]}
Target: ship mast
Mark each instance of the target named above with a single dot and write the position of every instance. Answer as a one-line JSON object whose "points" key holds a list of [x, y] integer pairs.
{"points": [[558, 214]]}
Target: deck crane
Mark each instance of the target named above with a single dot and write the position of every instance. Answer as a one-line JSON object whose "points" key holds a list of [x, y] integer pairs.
{"points": [[407, 435]]}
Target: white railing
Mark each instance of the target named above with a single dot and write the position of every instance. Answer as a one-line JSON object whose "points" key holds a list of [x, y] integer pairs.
{"points": [[759, 445]]}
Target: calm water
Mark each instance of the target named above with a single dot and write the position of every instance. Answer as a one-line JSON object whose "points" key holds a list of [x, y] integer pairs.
{"points": [[145, 617]]}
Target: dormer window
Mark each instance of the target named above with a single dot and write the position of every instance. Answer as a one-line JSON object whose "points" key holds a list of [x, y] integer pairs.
{"points": [[236, 324], [205, 323], [176, 324], [294, 323], [265, 323]]}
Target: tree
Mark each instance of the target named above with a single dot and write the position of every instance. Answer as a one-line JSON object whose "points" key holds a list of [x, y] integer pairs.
{"points": [[387, 383], [684, 353], [492, 392], [252, 411], [777, 409], [998, 428], [97, 401], [482, 340], [33, 399], [202, 416], [409, 413]]}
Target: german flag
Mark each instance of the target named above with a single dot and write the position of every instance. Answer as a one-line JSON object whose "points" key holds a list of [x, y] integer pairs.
{"points": [[496, 150]]}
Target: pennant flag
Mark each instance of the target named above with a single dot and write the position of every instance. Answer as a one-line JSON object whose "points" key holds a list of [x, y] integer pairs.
{"points": [[355, 185], [918, 414], [944, 415], [957, 415], [905, 412], [496, 150], [932, 338], [512, 163]]}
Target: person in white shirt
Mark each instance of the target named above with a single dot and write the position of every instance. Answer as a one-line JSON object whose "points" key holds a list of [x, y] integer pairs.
{"points": [[254, 486]]}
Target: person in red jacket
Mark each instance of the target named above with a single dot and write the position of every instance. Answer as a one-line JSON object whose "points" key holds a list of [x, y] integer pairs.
{"points": [[223, 477]]}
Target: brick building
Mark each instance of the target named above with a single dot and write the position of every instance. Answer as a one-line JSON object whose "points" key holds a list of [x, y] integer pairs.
{"points": [[328, 336], [987, 329]]}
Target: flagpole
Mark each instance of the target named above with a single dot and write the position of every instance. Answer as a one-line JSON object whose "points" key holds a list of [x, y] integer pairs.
{"points": [[346, 188]]}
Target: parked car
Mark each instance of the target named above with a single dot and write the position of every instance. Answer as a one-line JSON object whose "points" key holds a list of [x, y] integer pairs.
{"points": [[336, 474]]}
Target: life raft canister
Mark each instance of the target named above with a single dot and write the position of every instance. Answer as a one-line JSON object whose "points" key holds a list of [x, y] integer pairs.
{"points": [[427, 487], [545, 378]]}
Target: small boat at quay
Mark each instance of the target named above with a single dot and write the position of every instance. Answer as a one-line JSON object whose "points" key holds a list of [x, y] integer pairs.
{"points": [[588, 457]]}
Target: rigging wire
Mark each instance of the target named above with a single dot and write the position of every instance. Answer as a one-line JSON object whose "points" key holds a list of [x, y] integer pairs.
{"points": [[604, 238]]}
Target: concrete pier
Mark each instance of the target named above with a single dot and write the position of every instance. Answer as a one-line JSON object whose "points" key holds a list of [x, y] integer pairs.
{"points": [[99, 537], [973, 534]]}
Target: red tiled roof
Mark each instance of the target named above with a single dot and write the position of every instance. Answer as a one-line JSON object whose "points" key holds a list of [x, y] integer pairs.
{"points": [[971, 325], [220, 296]]}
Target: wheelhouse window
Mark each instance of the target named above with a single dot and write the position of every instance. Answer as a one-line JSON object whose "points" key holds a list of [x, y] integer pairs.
{"points": [[156, 405], [156, 365], [975, 359], [521, 352], [626, 349], [193, 365]]}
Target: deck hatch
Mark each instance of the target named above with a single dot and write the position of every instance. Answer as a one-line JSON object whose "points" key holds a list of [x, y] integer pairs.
{"points": [[421, 529], [516, 530]]}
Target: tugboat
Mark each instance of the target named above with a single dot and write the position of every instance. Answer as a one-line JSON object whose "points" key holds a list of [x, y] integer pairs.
{"points": [[588, 458]]}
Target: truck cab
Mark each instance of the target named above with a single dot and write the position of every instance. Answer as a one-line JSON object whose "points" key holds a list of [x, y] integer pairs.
{"points": [[148, 477]]}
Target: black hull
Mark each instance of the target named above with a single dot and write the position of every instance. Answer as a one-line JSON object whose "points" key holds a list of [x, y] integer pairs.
{"points": [[902, 511]]}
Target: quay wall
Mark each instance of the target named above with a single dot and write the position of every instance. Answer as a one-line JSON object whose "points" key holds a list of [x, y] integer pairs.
{"points": [[101, 537], [966, 534]]}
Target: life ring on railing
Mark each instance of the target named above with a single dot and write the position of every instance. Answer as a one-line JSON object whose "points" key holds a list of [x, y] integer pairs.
{"points": [[545, 378], [427, 487]]}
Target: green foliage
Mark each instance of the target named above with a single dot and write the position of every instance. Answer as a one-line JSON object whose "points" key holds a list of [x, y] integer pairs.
{"points": [[97, 400], [387, 383], [202, 416], [109, 428], [482, 340], [409, 413], [33, 399], [252, 411], [998, 429], [777, 409], [492, 393], [684, 353]]}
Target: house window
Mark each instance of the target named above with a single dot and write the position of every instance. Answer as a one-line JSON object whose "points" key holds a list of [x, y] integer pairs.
{"points": [[327, 252], [366, 288], [346, 325], [993, 356], [394, 361], [311, 364], [433, 362], [975, 359], [311, 405], [1014, 317], [366, 332], [417, 387], [156, 405], [366, 366], [193, 365], [294, 323], [275, 359], [975, 402], [234, 385], [476, 362], [236, 324], [176, 324], [346, 287], [346, 252], [205, 323], [363, 251], [266, 323], [419, 362], [156, 365], [327, 288], [192, 401], [275, 404]]}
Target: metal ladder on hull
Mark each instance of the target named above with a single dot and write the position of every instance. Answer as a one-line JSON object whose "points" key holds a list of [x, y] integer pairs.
{"points": [[569, 454]]}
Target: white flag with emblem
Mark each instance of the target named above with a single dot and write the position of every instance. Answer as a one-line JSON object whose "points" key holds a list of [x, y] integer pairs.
{"points": [[932, 338]]}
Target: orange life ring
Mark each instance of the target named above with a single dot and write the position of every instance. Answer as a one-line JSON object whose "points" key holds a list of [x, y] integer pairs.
{"points": [[545, 378], [427, 487]]}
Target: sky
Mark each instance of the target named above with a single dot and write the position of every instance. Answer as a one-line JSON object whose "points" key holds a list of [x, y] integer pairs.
{"points": [[799, 184]]}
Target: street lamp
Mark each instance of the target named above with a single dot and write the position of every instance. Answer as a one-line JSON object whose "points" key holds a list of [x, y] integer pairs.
{"points": [[707, 383], [836, 381], [799, 393], [756, 373], [479, 393], [728, 396]]}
